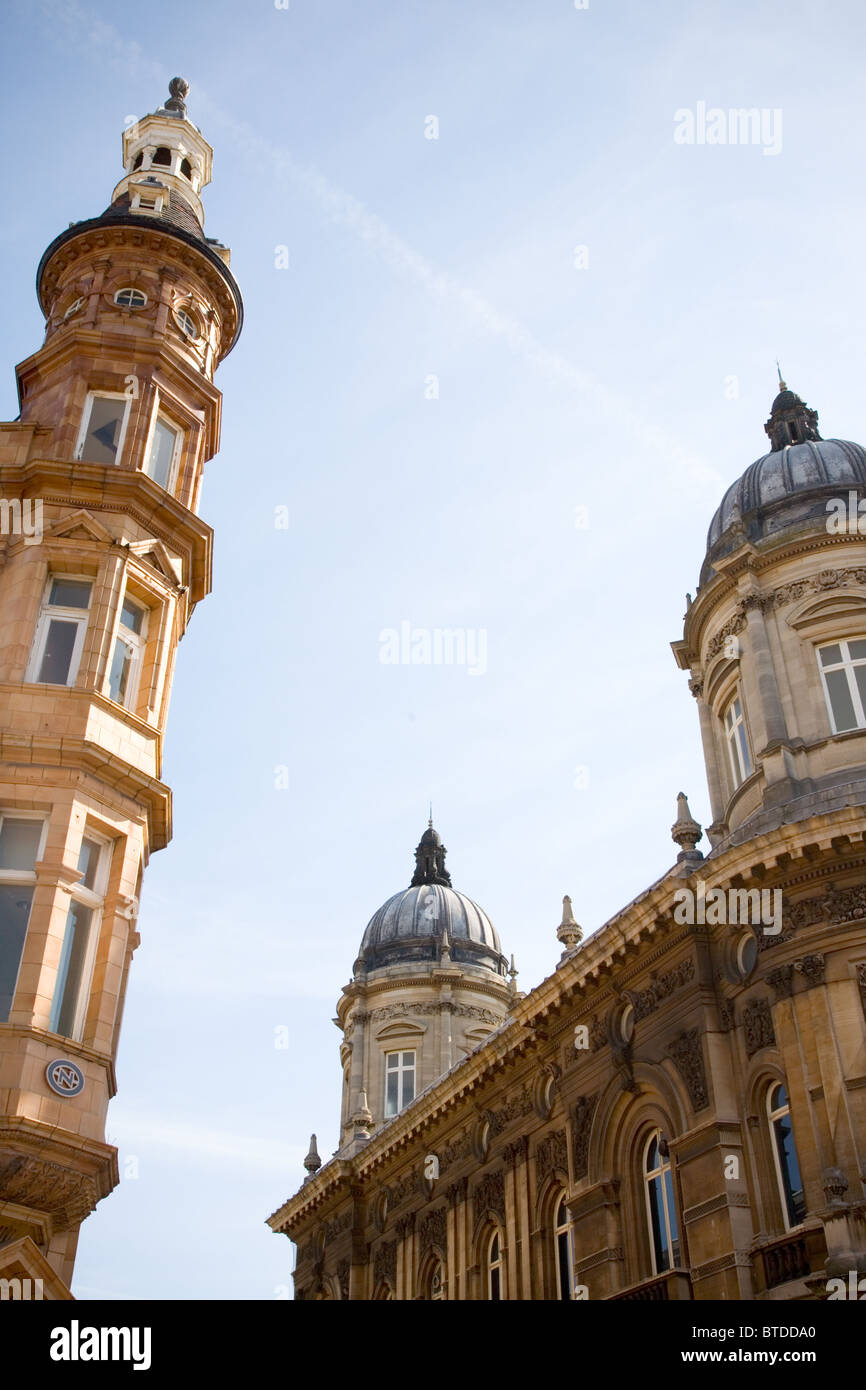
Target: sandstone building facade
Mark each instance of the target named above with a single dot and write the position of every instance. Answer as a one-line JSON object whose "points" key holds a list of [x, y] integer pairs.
{"points": [[679, 1110], [103, 557]]}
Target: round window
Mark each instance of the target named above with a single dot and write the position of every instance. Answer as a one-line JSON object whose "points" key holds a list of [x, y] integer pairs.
{"points": [[73, 308], [747, 954], [129, 298], [187, 323]]}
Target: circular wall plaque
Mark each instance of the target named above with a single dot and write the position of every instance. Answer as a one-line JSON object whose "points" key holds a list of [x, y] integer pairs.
{"points": [[65, 1078]]}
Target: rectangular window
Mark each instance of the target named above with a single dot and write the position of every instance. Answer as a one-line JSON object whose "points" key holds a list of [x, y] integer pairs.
{"points": [[128, 649], [103, 428], [60, 631], [162, 453], [737, 740], [843, 674], [399, 1081], [69, 1004], [20, 847]]}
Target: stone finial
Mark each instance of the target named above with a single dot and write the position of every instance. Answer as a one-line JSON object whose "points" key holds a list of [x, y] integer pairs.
{"points": [[568, 931], [178, 89], [312, 1162], [685, 831], [362, 1120], [445, 948], [835, 1186], [512, 978]]}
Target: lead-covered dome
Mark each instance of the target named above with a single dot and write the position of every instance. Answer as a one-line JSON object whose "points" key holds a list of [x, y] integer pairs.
{"points": [[417, 922], [787, 489]]}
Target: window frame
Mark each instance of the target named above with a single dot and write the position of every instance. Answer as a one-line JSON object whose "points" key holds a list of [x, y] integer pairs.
{"points": [[85, 424], [24, 878], [94, 900], [672, 1227], [135, 640], [129, 289], [739, 772], [774, 1115], [193, 318], [401, 1068], [562, 1232], [494, 1266], [161, 417], [847, 665], [48, 611]]}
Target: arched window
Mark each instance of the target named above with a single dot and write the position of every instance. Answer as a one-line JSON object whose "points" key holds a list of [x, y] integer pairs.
{"points": [[785, 1156], [661, 1209], [137, 163], [162, 156], [738, 743], [129, 298], [494, 1268], [186, 168], [564, 1252]]}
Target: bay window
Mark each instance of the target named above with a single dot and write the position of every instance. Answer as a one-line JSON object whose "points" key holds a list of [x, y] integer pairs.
{"points": [[21, 843], [128, 650], [103, 427], [69, 1004], [60, 631]]}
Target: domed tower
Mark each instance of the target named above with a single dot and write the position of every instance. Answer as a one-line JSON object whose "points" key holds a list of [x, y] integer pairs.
{"points": [[775, 639], [103, 559], [430, 983]]}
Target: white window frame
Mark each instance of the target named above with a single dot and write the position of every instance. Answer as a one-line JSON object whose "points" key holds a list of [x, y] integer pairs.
{"points": [[73, 308], [401, 1069], [161, 416], [193, 317], [47, 611], [24, 877], [739, 771], [137, 641], [774, 1114], [130, 289], [94, 899], [85, 421], [847, 665], [670, 1219]]}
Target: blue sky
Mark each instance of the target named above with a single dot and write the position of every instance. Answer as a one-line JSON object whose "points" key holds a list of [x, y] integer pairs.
{"points": [[635, 387]]}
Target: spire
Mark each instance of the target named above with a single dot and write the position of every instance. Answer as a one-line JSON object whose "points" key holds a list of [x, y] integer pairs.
{"points": [[312, 1162], [568, 931], [430, 859], [791, 421], [685, 831]]}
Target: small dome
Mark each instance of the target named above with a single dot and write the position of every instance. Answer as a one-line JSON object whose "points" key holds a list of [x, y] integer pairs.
{"points": [[409, 926], [787, 489]]}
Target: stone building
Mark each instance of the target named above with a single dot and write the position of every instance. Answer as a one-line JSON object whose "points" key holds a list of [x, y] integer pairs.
{"points": [[679, 1110], [103, 557]]}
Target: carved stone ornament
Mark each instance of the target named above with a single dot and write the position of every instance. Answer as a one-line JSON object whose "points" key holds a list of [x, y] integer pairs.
{"points": [[385, 1264], [812, 968], [551, 1156], [581, 1127], [517, 1151], [433, 1231], [688, 1057], [646, 1001], [781, 981], [489, 1195], [758, 1026], [343, 1279]]}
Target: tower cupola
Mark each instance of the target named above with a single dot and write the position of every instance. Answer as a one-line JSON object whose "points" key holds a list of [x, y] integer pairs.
{"points": [[165, 157]]}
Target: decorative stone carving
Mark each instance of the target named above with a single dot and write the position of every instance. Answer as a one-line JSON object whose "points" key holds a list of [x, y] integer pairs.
{"points": [[688, 1057], [454, 1149], [519, 1104], [407, 1186], [551, 1155], [337, 1226], [597, 1034], [861, 983], [385, 1264], [37, 1182], [406, 1225], [811, 968], [517, 1151], [489, 1195], [758, 1026], [727, 1014], [424, 1007], [835, 905], [581, 1127], [734, 625], [781, 981], [343, 1279], [646, 1001], [433, 1231], [835, 1186]]}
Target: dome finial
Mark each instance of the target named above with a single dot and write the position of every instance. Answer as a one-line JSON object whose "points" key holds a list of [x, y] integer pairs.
{"points": [[430, 859], [783, 385], [791, 420], [178, 89]]}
